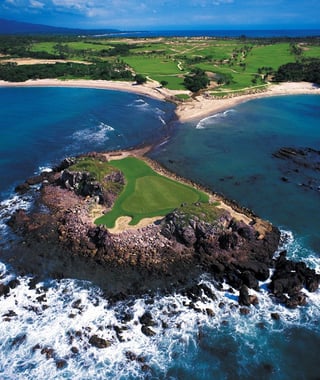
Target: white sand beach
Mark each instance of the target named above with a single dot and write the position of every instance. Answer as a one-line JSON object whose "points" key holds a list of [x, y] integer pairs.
{"points": [[195, 108]]}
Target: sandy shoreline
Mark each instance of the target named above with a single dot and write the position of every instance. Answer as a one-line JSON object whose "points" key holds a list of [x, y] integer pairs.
{"points": [[196, 108], [204, 106]]}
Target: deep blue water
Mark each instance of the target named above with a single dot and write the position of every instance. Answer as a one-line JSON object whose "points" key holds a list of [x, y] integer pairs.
{"points": [[251, 33], [41, 126], [230, 152]]}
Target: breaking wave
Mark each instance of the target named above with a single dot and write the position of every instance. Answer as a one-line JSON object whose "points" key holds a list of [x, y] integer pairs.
{"points": [[97, 135], [214, 119], [48, 327]]}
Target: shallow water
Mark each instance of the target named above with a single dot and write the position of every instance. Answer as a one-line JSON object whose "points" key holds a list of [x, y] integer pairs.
{"points": [[231, 153]]}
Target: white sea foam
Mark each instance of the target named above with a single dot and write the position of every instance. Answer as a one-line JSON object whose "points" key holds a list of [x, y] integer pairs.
{"points": [[140, 104], [297, 251], [72, 311], [45, 169], [98, 134], [213, 119], [162, 120]]}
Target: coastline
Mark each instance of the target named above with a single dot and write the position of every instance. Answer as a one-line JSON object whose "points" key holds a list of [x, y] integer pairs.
{"points": [[195, 108]]}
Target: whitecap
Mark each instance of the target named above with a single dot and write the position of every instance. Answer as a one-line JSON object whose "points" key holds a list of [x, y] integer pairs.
{"points": [[213, 119], [162, 120], [139, 104], [98, 134], [44, 169]]}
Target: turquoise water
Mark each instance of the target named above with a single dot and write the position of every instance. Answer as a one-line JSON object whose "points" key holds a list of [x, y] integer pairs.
{"points": [[231, 153]]}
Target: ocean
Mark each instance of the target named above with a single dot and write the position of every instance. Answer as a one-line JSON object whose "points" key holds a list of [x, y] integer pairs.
{"points": [[236, 33], [231, 153]]}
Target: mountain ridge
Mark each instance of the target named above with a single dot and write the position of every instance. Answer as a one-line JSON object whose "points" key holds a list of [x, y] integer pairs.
{"points": [[18, 27]]}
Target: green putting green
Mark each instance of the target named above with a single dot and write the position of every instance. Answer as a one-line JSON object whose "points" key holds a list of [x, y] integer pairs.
{"points": [[147, 194]]}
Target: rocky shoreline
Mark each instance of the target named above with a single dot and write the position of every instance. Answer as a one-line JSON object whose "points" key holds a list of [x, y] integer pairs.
{"points": [[59, 239]]}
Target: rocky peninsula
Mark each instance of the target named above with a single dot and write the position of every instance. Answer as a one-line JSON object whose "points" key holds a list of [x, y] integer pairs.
{"points": [[58, 238]]}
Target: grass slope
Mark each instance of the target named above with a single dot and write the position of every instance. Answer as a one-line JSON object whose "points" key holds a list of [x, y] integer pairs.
{"points": [[147, 193]]}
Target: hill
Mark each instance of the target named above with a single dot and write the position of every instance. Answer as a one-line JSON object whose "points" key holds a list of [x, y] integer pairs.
{"points": [[17, 27]]}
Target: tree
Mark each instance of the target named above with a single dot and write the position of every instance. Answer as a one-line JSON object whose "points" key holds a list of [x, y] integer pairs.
{"points": [[164, 83], [140, 79], [196, 80]]}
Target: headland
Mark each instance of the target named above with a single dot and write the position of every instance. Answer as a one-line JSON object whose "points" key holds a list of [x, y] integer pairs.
{"points": [[59, 238]]}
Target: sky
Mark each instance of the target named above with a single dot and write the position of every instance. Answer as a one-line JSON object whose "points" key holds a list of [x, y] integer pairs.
{"points": [[166, 14]]}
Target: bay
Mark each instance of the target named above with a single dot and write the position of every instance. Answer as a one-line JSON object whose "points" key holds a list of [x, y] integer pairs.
{"points": [[232, 153]]}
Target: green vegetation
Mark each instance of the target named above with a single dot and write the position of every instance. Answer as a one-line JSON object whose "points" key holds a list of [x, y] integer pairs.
{"points": [[19, 73], [197, 80], [308, 70], [232, 64], [204, 211], [147, 193], [99, 170]]}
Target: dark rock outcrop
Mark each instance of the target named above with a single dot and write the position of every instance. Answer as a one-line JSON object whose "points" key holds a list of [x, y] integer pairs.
{"points": [[58, 238], [99, 342], [289, 278]]}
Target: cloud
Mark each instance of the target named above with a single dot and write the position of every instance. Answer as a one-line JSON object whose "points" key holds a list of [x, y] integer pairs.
{"points": [[128, 14], [36, 4]]}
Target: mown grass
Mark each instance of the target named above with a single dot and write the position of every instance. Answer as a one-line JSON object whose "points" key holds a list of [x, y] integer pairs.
{"points": [[172, 58], [148, 65], [147, 194]]}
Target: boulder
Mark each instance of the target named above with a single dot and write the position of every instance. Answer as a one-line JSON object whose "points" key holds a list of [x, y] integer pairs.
{"points": [[188, 236], [147, 331], [244, 298], [99, 342]]}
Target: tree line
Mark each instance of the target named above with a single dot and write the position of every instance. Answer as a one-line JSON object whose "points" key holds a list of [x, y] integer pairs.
{"points": [[307, 70], [12, 72]]}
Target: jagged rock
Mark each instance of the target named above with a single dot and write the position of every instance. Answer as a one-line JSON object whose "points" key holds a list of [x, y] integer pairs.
{"points": [[290, 278], [4, 290], [250, 280], [147, 331], [65, 164], [22, 188], [275, 316], [243, 230], [146, 319], [102, 239], [296, 299], [244, 298], [61, 363], [173, 252], [48, 352], [228, 241], [99, 342], [188, 236], [257, 268]]}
